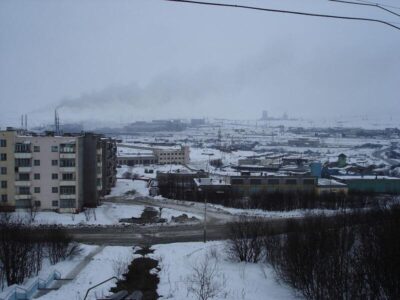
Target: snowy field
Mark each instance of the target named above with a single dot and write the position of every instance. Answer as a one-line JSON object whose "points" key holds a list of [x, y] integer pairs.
{"points": [[106, 214], [100, 268], [237, 281], [126, 185]]}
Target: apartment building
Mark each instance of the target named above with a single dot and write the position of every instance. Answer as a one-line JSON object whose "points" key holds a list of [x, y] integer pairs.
{"points": [[108, 165], [51, 172], [177, 155]]}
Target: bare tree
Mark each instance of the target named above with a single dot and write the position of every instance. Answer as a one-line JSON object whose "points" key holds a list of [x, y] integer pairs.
{"points": [[120, 265], [246, 239], [205, 282], [32, 211], [89, 212]]}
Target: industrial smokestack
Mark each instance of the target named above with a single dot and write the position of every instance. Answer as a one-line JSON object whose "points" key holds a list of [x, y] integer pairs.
{"points": [[56, 123]]}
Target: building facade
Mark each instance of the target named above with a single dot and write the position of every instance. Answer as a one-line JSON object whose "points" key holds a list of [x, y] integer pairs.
{"points": [[156, 155], [49, 172], [249, 184]]}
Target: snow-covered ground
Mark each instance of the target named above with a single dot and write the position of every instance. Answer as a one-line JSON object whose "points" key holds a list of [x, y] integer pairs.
{"points": [[106, 214], [237, 281], [100, 268], [63, 267], [126, 185]]}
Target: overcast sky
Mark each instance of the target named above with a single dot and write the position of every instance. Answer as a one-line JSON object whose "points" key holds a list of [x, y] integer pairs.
{"points": [[121, 61]]}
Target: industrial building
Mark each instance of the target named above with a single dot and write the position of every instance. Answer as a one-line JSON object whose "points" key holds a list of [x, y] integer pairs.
{"points": [[55, 172], [137, 159], [155, 155], [178, 184], [247, 184], [212, 189], [328, 186], [370, 183]]}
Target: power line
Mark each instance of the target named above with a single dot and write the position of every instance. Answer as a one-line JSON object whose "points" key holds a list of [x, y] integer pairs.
{"points": [[381, 4], [286, 12], [366, 4]]}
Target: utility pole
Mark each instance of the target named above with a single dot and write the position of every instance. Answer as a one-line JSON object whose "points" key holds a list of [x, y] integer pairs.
{"points": [[205, 217], [205, 214]]}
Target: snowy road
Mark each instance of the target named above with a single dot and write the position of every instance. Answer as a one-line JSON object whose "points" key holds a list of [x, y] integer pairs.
{"points": [[139, 235], [214, 215]]}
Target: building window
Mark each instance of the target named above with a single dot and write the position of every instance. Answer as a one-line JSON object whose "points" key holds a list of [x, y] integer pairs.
{"points": [[237, 181], [291, 181], [68, 176], [54, 189], [255, 181], [24, 190], [22, 148], [22, 162], [37, 203], [3, 143], [36, 190], [67, 162], [67, 190], [54, 162], [3, 170], [54, 176], [4, 198], [36, 148], [36, 162], [4, 184], [24, 176], [273, 181], [36, 176], [3, 156], [54, 148], [67, 148], [54, 203], [67, 203], [308, 181]]}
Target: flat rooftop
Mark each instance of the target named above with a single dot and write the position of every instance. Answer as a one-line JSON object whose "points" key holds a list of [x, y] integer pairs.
{"points": [[365, 177]]}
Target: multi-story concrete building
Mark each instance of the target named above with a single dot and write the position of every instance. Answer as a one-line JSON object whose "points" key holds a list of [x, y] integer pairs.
{"points": [[178, 184], [156, 155], [50, 172], [108, 165], [179, 155]]}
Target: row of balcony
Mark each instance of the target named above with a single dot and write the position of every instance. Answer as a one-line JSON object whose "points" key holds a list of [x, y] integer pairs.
{"points": [[29, 169], [28, 197], [30, 155]]}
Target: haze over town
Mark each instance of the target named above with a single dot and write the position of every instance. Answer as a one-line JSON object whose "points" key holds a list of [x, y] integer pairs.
{"points": [[142, 60], [178, 149]]}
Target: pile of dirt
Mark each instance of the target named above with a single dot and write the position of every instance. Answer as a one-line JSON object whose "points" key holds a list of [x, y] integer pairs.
{"points": [[184, 219]]}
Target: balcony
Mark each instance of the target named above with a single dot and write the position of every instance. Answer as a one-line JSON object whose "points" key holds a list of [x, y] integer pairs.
{"points": [[67, 155], [22, 183], [23, 197], [23, 169], [67, 182], [68, 169], [67, 196], [23, 155]]}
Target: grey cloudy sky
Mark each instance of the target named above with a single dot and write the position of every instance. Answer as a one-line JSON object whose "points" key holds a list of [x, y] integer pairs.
{"points": [[121, 61]]}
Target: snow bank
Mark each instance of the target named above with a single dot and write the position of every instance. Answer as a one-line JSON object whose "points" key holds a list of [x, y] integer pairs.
{"points": [[241, 281], [99, 269]]}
